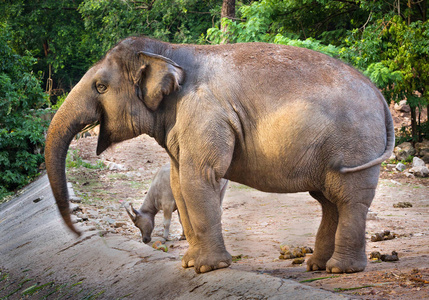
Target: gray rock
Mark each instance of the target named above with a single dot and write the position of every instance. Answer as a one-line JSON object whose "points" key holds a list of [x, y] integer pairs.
{"points": [[420, 171], [417, 162], [404, 150], [402, 106], [109, 220], [74, 207], [115, 167], [409, 175], [400, 167]]}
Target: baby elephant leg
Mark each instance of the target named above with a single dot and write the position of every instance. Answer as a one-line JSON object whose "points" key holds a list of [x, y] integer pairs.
{"points": [[167, 221], [182, 237]]}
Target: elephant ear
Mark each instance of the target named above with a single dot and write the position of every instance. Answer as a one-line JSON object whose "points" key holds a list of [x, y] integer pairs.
{"points": [[157, 77]]}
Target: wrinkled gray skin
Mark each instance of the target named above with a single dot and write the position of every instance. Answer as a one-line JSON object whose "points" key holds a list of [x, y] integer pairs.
{"points": [[277, 118], [160, 197]]}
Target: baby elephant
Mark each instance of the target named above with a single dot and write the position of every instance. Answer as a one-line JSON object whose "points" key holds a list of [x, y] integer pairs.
{"points": [[160, 197]]}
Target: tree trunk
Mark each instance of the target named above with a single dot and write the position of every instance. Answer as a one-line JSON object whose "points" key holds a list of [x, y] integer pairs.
{"points": [[228, 11], [414, 132]]}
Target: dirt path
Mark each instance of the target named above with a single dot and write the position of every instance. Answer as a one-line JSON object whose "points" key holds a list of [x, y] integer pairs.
{"points": [[255, 224]]}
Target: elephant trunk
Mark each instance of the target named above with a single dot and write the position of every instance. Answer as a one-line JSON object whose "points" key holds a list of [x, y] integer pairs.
{"points": [[70, 119]]}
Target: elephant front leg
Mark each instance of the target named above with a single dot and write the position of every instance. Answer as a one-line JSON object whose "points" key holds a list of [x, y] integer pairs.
{"points": [[200, 214]]}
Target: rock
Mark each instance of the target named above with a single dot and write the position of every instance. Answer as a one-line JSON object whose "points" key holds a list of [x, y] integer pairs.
{"points": [[420, 171], [400, 167], [417, 162], [404, 150], [74, 207], [119, 224], [422, 150], [109, 220], [409, 175], [402, 106], [114, 166], [372, 215]]}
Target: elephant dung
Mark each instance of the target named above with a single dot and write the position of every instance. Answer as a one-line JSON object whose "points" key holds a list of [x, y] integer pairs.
{"points": [[377, 256], [298, 261], [383, 236], [290, 252], [402, 205]]}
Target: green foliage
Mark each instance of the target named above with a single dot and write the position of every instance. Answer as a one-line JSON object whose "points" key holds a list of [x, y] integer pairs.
{"points": [[21, 128], [74, 160], [54, 33], [261, 23], [60, 101], [395, 56], [327, 21], [180, 21]]}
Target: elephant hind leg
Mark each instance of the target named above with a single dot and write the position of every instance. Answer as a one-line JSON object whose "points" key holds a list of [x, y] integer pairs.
{"points": [[325, 238], [352, 194], [349, 255]]}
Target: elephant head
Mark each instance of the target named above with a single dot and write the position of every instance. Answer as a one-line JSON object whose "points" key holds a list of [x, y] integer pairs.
{"points": [[122, 92]]}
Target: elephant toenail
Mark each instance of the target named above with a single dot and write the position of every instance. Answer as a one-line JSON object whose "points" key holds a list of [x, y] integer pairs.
{"points": [[191, 263], [205, 269]]}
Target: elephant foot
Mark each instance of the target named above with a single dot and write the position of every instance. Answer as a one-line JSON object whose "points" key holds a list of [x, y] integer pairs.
{"points": [[206, 261], [348, 265], [188, 260], [315, 263]]}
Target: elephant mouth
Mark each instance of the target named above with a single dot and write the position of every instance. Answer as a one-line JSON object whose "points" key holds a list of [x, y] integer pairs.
{"points": [[90, 127]]}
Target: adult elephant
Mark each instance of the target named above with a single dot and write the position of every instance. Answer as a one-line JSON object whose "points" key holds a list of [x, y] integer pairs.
{"points": [[277, 118]]}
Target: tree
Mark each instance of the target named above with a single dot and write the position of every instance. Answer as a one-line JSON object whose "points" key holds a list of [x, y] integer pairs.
{"points": [[260, 22], [52, 30], [228, 11], [394, 52], [21, 129]]}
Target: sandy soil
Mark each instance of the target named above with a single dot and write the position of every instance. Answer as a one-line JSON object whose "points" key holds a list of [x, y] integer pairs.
{"points": [[255, 224]]}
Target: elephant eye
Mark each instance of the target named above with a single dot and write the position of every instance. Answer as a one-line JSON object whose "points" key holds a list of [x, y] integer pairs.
{"points": [[101, 88]]}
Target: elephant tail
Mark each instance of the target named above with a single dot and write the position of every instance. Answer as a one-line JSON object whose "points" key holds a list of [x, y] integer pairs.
{"points": [[390, 144]]}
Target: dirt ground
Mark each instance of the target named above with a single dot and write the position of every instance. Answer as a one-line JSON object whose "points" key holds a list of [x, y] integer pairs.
{"points": [[255, 224]]}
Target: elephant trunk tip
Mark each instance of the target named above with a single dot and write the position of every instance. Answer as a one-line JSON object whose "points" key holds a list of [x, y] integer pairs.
{"points": [[70, 224]]}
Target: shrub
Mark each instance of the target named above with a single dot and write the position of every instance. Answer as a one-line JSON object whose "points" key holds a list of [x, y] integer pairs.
{"points": [[21, 128]]}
